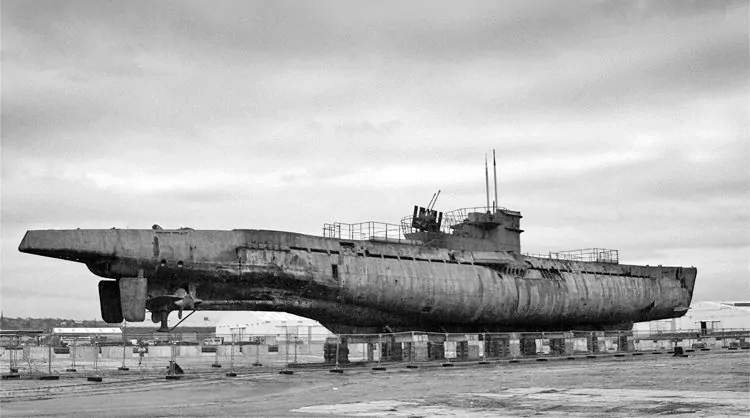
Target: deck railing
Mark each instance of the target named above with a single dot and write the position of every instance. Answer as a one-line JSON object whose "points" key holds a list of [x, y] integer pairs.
{"points": [[598, 255], [364, 231]]}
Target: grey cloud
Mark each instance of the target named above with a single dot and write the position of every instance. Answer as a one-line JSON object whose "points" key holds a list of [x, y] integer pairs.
{"points": [[235, 94], [355, 29], [368, 128]]}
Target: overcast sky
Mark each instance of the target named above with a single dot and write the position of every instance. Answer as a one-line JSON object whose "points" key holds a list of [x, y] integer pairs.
{"points": [[617, 124]]}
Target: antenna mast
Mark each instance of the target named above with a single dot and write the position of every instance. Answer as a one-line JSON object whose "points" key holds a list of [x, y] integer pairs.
{"points": [[494, 169], [487, 181], [434, 200]]}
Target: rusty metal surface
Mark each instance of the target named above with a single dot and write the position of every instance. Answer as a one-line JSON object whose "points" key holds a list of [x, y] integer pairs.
{"points": [[368, 285]]}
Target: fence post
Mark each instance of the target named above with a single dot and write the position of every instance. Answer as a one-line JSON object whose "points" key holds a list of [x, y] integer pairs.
{"points": [[484, 349], [14, 357], [338, 349], [231, 372], [172, 360], [257, 354], [295, 345], [380, 353], [49, 362], [96, 377], [123, 368], [337, 369], [445, 356], [73, 355], [286, 344], [411, 349], [216, 357], [619, 342]]}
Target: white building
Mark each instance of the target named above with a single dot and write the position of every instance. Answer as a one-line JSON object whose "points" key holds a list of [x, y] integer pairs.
{"points": [[85, 335], [702, 317], [246, 326]]}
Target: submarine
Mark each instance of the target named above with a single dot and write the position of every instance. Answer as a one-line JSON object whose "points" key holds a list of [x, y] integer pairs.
{"points": [[454, 271]]}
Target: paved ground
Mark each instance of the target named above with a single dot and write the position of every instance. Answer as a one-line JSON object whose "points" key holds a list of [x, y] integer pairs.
{"points": [[704, 384]]}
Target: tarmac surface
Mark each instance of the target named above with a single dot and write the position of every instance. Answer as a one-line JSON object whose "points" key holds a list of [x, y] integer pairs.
{"points": [[703, 384]]}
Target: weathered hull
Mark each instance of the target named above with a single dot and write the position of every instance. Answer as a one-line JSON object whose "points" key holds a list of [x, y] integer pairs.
{"points": [[370, 285]]}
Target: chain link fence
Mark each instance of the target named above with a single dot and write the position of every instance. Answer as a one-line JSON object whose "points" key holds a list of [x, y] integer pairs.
{"points": [[142, 353]]}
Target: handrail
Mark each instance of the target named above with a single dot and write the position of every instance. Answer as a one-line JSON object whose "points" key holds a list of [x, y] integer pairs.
{"points": [[597, 255], [364, 231], [382, 230]]}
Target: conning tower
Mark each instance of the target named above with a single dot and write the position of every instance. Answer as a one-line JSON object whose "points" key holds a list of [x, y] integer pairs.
{"points": [[470, 229]]}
